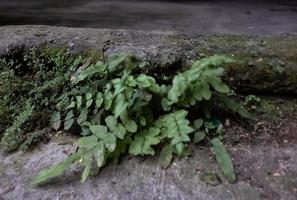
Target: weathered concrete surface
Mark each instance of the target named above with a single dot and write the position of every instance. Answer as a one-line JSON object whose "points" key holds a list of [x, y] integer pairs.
{"points": [[252, 17], [266, 167], [264, 172], [270, 63], [263, 153]]}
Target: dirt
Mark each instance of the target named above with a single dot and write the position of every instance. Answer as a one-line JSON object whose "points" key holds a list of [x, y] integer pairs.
{"points": [[274, 127], [274, 124]]}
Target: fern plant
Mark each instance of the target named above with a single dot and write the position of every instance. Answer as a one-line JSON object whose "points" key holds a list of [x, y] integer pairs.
{"points": [[122, 110]]}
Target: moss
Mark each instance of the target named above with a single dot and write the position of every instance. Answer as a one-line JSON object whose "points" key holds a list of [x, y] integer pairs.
{"points": [[273, 109], [284, 46], [30, 83], [268, 65], [222, 44], [33, 138], [92, 54], [210, 178], [243, 46]]}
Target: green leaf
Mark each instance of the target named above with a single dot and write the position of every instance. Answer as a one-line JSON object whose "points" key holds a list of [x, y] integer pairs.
{"points": [[176, 127], [223, 159], [152, 138], [99, 67], [88, 142], [85, 131], [69, 121], [78, 101], [99, 153], [193, 82], [128, 92], [89, 99], [111, 122], [179, 148], [199, 136], [68, 124], [99, 131], [130, 81], [198, 123], [72, 105], [120, 106], [166, 156], [118, 84], [179, 86], [205, 91], [114, 61], [234, 106], [166, 105], [56, 120], [87, 162], [136, 146], [213, 61], [89, 103], [120, 131], [83, 116], [120, 149], [117, 129], [99, 99], [197, 91], [218, 85], [108, 99], [110, 142], [142, 143], [56, 170], [142, 121], [89, 96], [129, 124], [143, 81]]}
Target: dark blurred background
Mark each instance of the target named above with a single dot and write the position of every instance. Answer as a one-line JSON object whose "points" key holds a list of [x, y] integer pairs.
{"points": [[267, 17]]}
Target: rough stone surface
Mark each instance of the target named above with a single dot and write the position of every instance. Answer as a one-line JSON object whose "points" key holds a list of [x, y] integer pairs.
{"points": [[263, 153], [252, 17], [266, 166], [270, 63], [268, 173]]}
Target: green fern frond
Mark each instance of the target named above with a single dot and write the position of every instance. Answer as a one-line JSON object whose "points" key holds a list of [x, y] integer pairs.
{"points": [[130, 111]]}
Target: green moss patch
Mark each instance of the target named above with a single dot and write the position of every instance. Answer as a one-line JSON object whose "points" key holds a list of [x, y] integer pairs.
{"points": [[30, 83], [269, 65]]}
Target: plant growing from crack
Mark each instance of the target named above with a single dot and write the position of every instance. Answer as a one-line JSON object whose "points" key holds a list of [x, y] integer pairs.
{"points": [[118, 110]]}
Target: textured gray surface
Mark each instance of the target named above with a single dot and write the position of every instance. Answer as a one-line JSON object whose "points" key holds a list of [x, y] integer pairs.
{"points": [[264, 170], [253, 17], [142, 179]]}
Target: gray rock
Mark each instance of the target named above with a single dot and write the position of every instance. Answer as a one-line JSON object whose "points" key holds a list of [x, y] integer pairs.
{"points": [[263, 172]]}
